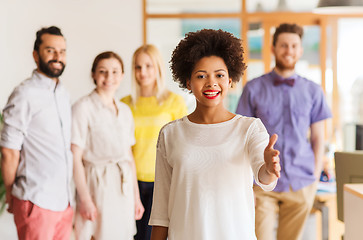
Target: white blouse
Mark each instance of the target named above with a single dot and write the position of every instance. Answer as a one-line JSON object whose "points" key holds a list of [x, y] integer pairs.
{"points": [[204, 178], [104, 136], [106, 139]]}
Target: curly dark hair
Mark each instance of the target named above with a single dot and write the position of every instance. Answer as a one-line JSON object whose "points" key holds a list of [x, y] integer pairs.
{"points": [[287, 28], [205, 43]]}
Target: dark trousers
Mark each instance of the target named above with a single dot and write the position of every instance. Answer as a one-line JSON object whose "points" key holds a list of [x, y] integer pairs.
{"points": [[146, 196]]}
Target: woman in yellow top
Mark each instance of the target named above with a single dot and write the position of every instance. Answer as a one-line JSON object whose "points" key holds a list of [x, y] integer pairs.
{"points": [[152, 106]]}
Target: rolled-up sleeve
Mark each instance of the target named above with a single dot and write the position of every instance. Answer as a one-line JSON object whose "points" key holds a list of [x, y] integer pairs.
{"points": [[80, 124], [131, 128], [320, 109], [17, 116]]}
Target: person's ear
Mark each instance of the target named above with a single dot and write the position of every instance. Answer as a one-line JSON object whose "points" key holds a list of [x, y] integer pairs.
{"points": [[36, 56], [93, 78], [230, 82], [188, 85], [273, 49]]}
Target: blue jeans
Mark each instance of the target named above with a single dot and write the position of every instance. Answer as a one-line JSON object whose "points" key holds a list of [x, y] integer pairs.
{"points": [[146, 196]]}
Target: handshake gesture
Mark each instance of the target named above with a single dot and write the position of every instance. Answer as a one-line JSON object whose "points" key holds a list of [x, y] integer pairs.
{"points": [[272, 162]]}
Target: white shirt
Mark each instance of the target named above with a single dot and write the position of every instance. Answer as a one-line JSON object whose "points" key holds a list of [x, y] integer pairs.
{"points": [[204, 178], [104, 136], [37, 122], [106, 139]]}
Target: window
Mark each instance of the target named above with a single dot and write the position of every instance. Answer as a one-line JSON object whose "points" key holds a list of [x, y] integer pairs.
{"points": [[166, 22]]}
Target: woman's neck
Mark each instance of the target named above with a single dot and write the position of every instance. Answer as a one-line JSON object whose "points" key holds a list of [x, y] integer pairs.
{"points": [[210, 115], [107, 99], [147, 91]]}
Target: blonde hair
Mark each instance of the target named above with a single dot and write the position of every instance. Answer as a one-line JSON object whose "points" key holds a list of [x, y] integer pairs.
{"points": [[161, 91]]}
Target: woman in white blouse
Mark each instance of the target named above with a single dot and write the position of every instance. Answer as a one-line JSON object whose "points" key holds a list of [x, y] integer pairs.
{"points": [[108, 200], [206, 161]]}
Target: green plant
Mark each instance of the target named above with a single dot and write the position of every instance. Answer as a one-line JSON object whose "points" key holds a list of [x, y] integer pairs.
{"points": [[2, 194], [2, 185]]}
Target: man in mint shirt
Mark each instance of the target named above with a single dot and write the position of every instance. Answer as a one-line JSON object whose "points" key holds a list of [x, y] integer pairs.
{"points": [[294, 108]]}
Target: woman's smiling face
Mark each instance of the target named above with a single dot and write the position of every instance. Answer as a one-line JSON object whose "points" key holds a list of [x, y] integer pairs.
{"points": [[108, 75], [210, 81]]}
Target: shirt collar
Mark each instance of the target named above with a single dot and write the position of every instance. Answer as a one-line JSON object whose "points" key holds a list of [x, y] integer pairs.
{"points": [[97, 100], [45, 81], [274, 75]]}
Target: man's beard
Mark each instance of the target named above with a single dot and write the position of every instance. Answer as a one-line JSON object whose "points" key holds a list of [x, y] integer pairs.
{"points": [[45, 68], [281, 66]]}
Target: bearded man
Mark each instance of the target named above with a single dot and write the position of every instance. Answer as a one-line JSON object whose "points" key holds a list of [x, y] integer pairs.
{"points": [[35, 145], [294, 108]]}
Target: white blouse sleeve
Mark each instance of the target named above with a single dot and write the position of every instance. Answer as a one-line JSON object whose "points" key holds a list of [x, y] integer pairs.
{"points": [[79, 124], [131, 129], [163, 173], [257, 142]]}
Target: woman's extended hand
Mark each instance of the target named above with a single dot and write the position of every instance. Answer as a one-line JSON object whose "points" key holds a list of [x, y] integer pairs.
{"points": [[271, 157]]}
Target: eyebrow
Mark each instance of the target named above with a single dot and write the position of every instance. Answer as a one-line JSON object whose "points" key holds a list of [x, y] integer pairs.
{"points": [[203, 71], [49, 47], [106, 67]]}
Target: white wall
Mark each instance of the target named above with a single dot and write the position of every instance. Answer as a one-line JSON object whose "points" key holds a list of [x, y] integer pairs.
{"points": [[89, 26]]}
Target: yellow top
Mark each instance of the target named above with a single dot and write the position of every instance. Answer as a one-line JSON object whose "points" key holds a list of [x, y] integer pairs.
{"points": [[149, 118]]}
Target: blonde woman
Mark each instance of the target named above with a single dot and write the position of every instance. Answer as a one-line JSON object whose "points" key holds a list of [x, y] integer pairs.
{"points": [[152, 106], [108, 200]]}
